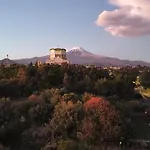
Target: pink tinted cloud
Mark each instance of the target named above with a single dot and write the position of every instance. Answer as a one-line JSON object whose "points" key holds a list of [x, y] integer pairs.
{"points": [[132, 18]]}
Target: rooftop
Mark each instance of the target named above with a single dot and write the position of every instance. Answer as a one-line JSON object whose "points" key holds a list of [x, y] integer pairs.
{"points": [[58, 49]]}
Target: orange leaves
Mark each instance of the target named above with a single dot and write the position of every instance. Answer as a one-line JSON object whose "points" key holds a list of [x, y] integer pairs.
{"points": [[95, 103], [101, 120]]}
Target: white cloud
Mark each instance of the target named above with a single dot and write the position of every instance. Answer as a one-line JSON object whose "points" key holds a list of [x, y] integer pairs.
{"points": [[132, 18]]}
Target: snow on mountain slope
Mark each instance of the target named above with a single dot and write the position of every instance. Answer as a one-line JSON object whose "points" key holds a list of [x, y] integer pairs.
{"points": [[79, 51]]}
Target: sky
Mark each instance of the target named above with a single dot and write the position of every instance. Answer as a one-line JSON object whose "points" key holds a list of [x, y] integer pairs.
{"points": [[115, 28]]}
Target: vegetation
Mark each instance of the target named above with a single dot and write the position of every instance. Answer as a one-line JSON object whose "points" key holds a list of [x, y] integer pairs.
{"points": [[67, 107]]}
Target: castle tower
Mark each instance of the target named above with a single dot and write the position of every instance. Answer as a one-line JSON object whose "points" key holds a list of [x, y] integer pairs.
{"points": [[57, 53], [57, 56]]}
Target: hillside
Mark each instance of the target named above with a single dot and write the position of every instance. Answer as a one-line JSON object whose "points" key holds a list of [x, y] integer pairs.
{"points": [[78, 55]]}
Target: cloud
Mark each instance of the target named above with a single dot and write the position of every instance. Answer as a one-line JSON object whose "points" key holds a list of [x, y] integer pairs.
{"points": [[131, 19]]}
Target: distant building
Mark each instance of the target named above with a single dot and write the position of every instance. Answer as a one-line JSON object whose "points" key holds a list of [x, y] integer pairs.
{"points": [[39, 63], [57, 56]]}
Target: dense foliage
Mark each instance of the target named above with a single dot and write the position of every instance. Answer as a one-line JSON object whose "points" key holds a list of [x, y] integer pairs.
{"points": [[68, 107], [21, 81]]}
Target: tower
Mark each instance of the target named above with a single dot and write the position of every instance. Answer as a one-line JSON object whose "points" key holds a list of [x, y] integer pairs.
{"points": [[57, 56], [57, 53]]}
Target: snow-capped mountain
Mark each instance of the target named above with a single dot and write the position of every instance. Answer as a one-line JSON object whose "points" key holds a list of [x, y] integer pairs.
{"points": [[79, 51], [78, 55]]}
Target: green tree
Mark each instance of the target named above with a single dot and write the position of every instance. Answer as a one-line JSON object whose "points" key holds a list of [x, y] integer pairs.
{"points": [[51, 96], [5, 111], [66, 119], [67, 82], [39, 114], [34, 138]]}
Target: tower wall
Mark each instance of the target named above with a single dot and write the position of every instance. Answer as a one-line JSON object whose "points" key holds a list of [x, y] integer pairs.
{"points": [[57, 53]]}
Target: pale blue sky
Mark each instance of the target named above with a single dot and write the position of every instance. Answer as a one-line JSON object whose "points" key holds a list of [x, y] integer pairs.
{"points": [[29, 28]]}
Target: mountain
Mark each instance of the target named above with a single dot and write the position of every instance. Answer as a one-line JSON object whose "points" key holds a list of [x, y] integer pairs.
{"points": [[7, 61], [33, 60], [79, 51], [78, 55]]}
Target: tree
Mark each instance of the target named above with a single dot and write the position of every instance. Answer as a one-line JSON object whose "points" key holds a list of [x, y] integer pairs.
{"points": [[39, 114], [21, 73], [31, 70], [5, 111], [67, 81], [65, 119], [51, 96], [70, 97], [101, 122], [87, 83], [104, 87], [34, 138], [86, 96]]}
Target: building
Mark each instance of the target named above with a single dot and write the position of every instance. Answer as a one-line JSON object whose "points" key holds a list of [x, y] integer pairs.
{"points": [[38, 63], [57, 56]]}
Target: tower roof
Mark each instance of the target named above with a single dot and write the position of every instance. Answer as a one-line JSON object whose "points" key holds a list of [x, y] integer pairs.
{"points": [[58, 49]]}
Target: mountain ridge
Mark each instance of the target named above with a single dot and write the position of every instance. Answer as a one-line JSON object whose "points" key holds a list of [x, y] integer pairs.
{"points": [[78, 55]]}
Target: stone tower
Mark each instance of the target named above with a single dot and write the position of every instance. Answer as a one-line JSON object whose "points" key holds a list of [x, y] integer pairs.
{"points": [[57, 53], [57, 56]]}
